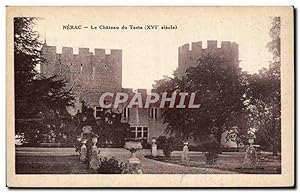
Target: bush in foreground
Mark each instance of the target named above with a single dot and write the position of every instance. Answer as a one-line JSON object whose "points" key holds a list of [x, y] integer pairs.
{"points": [[167, 145], [111, 166]]}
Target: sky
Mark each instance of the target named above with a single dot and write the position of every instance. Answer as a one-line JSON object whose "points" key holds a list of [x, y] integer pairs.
{"points": [[148, 55]]}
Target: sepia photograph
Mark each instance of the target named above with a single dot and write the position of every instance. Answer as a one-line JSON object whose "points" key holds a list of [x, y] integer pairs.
{"points": [[181, 93]]}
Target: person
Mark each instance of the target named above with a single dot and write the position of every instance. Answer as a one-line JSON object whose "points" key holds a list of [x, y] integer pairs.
{"points": [[251, 158], [94, 163], [185, 154]]}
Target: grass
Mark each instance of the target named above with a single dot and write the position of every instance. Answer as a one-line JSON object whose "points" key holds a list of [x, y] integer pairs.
{"points": [[50, 165], [28, 164], [231, 162]]}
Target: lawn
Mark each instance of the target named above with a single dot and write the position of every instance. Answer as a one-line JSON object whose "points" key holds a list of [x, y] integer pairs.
{"points": [[50, 165], [267, 164]]}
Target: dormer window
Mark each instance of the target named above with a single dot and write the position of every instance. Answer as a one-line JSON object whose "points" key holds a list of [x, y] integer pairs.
{"points": [[153, 112], [126, 113]]}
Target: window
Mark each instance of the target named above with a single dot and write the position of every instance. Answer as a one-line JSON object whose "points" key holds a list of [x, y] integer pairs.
{"points": [[132, 132], [60, 66], [145, 133], [153, 112], [139, 132], [98, 112], [126, 113]]}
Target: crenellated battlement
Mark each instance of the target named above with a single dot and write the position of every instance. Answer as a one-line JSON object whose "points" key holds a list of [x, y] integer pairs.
{"points": [[81, 51], [211, 44], [188, 54]]}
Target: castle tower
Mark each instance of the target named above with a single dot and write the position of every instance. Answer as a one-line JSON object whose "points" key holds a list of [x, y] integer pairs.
{"points": [[188, 57], [88, 74], [48, 67]]}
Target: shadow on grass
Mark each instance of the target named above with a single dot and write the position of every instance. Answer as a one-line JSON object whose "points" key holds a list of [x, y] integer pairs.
{"points": [[50, 165], [229, 163]]}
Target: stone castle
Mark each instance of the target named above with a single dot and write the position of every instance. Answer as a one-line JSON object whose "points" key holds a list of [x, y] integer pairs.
{"points": [[90, 75], [188, 57]]}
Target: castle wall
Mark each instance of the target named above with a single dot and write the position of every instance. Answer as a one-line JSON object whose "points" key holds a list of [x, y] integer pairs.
{"points": [[117, 67], [66, 63], [188, 57], [49, 67], [88, 74]]}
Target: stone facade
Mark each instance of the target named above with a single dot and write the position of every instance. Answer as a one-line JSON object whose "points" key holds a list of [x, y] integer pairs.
{"points": [[144, 122]]}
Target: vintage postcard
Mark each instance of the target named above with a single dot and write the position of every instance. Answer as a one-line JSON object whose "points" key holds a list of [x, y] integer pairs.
{"points": [[150, 96]]}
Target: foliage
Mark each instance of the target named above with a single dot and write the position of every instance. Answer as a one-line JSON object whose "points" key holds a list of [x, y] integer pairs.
{"points": [[110, 166], [26, 52], [230, 99], [107, 126], [265, 95], [111, 130], [219, 86], [40, 102], [167, 145]]}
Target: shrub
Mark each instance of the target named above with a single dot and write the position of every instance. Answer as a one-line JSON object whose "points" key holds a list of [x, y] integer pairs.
{"points": [[161, 141], [110, 166], [145, 144], [167, 145]]}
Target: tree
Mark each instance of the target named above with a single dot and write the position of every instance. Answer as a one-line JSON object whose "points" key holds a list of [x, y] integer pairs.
{"points": [[40, 102], [26, 58], [110, 129], [220, 90], [107, 126], [265, 96]]}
